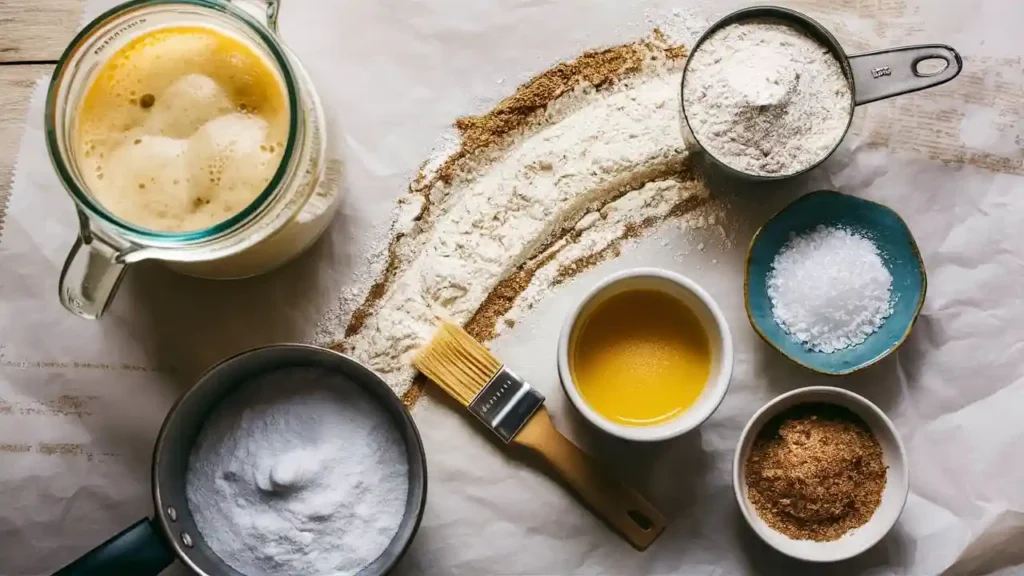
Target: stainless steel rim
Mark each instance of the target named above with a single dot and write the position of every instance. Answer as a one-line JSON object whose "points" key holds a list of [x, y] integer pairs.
{"points": [[807, 24]]}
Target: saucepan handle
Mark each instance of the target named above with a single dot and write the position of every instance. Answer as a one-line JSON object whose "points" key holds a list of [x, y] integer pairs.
{"points": [[138, 550], [887, 73]]}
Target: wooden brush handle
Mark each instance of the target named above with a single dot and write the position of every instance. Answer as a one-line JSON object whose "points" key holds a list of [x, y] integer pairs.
{"points": [[620, 506]]}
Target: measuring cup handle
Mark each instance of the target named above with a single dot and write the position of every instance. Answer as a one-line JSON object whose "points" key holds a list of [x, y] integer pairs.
{"points": [[138, 550], [887, 73], [91, 275], [265, 11]]}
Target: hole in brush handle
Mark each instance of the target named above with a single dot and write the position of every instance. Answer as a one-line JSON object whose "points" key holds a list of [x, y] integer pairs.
{"points": [[641, 520]]}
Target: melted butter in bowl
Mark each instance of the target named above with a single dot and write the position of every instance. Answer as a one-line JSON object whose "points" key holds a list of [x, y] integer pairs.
{"points": [[647, 355], [640, 358]]}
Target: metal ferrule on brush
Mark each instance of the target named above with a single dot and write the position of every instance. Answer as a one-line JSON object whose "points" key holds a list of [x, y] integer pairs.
{"points": [[506, 403]]}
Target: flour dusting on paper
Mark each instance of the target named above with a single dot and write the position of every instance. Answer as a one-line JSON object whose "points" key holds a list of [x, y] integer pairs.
{"points": [[544, 186]]}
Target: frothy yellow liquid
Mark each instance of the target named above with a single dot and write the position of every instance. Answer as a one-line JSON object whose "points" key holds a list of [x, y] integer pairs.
{"points": [[640, 358], [181, 129]]}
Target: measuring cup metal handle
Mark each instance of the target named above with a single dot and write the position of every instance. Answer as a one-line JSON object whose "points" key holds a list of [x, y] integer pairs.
{"points": [[887, 73], [138, 550], [91, 274], [265, 11]]}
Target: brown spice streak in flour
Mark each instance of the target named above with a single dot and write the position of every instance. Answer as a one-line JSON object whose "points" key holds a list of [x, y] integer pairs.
{"points": [[580, 265], [500, 300], [599, 68], [631, 231], [377, 291], [419, 382], [483, 323], [492, 132]]}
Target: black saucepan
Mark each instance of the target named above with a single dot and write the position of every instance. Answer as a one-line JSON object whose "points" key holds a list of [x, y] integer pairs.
{"points": [[151, 544]]}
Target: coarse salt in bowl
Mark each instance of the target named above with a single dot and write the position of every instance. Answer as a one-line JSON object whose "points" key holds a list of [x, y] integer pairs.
{"points": [[894, 495], [899, 254]]}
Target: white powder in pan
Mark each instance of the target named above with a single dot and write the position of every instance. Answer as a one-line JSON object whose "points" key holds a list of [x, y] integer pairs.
{"points": [[830, 289], [295, 474], [764, 98]]}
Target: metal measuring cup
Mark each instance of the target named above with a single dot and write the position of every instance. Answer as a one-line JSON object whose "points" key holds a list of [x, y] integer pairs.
{"points": [[872, 76]]}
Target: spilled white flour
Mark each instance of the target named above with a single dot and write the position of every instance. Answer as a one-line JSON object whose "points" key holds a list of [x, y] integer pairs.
{"points": [[598, 161], [296, 474]]}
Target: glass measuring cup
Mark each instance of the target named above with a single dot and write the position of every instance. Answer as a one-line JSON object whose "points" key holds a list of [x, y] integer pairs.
{"points": [[281, 222], [872, 76]]}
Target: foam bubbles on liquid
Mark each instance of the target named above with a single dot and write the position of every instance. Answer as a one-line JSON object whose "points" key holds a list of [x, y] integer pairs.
{"points": [[152, 165], [224, 157], [181, 129], [187, 104]]}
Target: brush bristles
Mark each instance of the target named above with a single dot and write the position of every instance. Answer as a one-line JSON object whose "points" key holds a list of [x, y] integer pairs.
{"points": [[459, 364]]}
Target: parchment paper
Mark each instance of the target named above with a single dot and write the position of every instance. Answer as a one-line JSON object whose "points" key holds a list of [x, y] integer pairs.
{"points": [[81, 402]]}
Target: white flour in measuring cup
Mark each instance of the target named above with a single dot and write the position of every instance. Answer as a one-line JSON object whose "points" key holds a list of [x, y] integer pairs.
{"points": [[294, 474], [764, 98]]}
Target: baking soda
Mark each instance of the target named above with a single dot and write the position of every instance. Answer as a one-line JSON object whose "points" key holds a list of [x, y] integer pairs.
{"points": [[298, 474], [829, 289]]}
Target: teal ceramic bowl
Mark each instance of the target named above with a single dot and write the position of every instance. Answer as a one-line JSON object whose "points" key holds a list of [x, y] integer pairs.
{"points": [[899, 253]]}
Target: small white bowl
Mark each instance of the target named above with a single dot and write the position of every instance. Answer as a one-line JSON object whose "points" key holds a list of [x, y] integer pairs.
{"points": [[894, 496], [711, 319]]}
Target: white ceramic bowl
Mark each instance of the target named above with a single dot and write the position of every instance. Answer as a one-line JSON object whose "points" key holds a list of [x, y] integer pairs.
{"points": [[894, 496], [711, 319]]}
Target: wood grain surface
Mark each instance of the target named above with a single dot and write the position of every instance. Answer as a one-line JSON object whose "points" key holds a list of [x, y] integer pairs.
{"points": [[33, 33], [16, 83], [36, 30]]}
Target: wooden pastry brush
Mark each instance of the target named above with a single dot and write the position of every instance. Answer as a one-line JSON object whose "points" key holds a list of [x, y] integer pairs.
{"points": [[515, 411]]}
